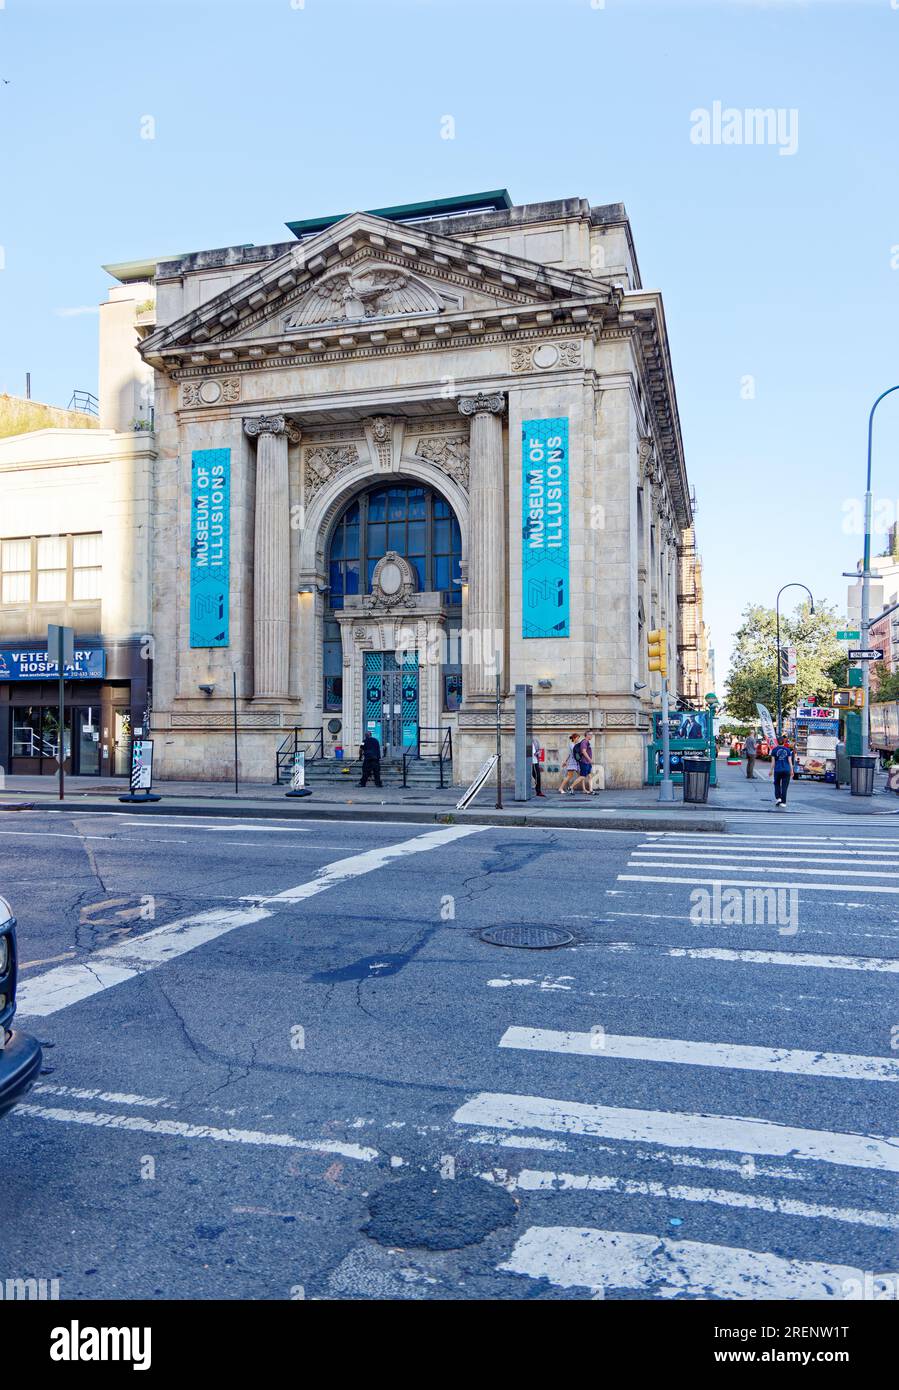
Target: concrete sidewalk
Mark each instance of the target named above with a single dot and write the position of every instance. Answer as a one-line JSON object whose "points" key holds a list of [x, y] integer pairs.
{"points": [[735, 797]]}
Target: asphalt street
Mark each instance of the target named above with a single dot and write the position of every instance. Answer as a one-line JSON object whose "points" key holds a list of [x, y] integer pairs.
{"points": [[281, 1062]]}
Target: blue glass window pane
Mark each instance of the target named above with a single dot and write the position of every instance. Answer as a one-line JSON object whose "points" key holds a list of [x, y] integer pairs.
{"points": [[337, 544], [441, 508], [419, 562], [352, 514], [441, 537], [396, 505], [371, 570], [441, 572], [417, 503], [377, 506], [351, 542], [457, 535], [377, 540], [335, 577], [332, 630], [396, 537], [333, 659], [415, 537], [352, 576], [336, 600]]}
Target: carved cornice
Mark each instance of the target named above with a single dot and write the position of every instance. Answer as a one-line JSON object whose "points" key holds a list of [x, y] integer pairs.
{"points": [[482, 404], [255, 425]]}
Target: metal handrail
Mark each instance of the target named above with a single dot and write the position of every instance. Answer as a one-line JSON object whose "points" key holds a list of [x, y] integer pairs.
{"points": [[293, 744], [444, 743]]}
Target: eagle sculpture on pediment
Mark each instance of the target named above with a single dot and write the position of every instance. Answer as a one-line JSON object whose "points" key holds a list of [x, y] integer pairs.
{"points": [[364, 293]]}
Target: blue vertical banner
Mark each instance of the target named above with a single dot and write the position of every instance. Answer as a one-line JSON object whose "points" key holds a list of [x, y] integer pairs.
{"points": [[544, 510], [210, 547]]}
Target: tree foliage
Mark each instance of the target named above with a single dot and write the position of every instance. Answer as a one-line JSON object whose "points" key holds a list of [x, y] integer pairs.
{"points": [[821, 660]]}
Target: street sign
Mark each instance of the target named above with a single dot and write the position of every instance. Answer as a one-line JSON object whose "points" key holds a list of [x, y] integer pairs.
{"points": [[856, 676], [866, 653], [141, 765], [66, 635], [848, 634]]}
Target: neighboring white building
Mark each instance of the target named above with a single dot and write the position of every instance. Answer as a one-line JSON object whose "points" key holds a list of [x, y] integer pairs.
{"points": [[75, 521]]}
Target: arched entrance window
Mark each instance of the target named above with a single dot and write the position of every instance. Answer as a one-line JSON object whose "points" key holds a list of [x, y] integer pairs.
{"points": [[418, 524]]}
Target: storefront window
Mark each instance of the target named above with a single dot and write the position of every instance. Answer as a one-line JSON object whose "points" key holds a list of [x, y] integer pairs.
{"points": [[26, 732]]}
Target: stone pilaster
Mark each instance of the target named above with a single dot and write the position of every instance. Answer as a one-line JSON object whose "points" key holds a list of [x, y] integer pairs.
{"points": [[271, 555], [487, 544]]}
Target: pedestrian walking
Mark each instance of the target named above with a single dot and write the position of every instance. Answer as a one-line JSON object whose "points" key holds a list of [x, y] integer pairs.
{"points": [[370, 753], [750, 748], [536, 770], [584, 757], [783, 765], [571, 769]]}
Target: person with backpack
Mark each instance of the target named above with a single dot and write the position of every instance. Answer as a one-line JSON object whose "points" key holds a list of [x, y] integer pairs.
{"points": [[783, 765]]}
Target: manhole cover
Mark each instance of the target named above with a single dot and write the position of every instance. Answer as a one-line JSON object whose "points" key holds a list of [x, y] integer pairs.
{"points": [[437, 1213], [530, 938]]}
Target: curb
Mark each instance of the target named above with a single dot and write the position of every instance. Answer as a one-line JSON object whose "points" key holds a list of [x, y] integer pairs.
{"points": [[290, 811]]}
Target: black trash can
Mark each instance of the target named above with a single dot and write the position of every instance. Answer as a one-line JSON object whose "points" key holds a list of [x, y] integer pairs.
{"points": [[697, 774], [862, 775]]}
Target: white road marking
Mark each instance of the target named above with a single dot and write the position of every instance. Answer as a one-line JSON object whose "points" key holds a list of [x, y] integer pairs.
{"points": [[741, 867], [177, 1129], [680, 1130], [577, 1257], [802, 958], [675, 837], [52, 834], [735, 1056], [67, 984], [536, 1180], [887, 858], [754, 883], [45, 1088]]}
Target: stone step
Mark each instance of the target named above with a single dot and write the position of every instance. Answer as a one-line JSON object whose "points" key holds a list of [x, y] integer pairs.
{"points": [[420, 772]]}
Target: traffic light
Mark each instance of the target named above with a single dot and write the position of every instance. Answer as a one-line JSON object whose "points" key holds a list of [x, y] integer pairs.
{"points": [[658, 658]]}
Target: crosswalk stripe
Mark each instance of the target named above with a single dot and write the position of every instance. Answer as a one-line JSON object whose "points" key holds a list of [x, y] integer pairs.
{"points": [[736, 1056], [754, 883], [537, 1180], [813, 856], [679, 1130], [574, 1256], [692, 863], [874, 963], [669, 836]]}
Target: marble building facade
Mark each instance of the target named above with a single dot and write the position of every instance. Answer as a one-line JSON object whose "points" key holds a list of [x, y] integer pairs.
{"points": [[364, 394]]}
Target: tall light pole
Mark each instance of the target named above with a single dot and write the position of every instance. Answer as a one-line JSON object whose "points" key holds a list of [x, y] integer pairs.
{"points": [[777, 611], [866, 573]]}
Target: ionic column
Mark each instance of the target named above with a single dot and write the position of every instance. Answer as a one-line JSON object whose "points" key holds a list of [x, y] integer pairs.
{"points": [[487, 542], [271, 556]]}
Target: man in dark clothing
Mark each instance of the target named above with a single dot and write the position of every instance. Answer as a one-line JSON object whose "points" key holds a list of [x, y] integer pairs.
{"points": [[750, 748], [370, 753]]}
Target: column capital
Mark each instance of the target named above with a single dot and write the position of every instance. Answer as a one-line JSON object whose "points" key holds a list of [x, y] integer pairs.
{"points": [[482, 404], [254, 425]]}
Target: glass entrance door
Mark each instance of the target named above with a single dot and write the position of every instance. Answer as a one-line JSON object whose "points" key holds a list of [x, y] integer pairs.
{"points": [[390, 701], [87, 739], [121, 743]]}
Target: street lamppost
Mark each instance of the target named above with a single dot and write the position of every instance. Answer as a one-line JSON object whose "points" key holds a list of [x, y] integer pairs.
{"points": [[866, 573], [777, 610]]}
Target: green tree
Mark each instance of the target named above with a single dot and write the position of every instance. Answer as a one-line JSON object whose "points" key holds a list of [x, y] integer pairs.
{"points": [[820, 659], [884, 683]]}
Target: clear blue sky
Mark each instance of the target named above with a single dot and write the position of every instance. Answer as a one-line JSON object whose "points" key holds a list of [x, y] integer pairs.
{"points": [[778, 267]]}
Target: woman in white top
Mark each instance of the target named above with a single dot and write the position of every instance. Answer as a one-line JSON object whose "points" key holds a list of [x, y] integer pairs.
{"points": [[572, 771]]}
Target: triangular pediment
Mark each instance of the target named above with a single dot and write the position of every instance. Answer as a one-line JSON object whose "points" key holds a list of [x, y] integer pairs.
{"points": [[364, 269]]}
